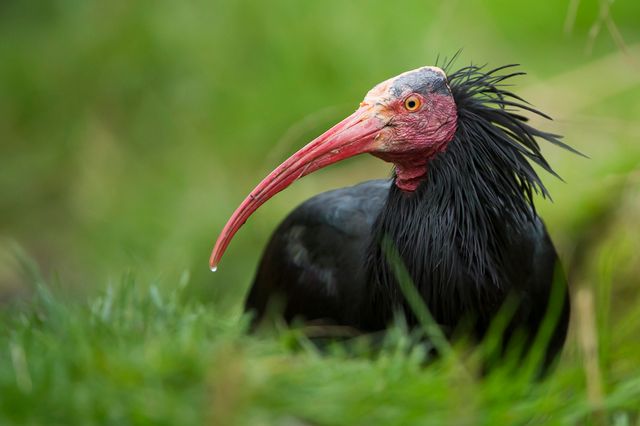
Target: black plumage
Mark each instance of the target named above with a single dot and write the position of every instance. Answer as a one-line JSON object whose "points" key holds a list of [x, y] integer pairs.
{"points": [[469, 235]]}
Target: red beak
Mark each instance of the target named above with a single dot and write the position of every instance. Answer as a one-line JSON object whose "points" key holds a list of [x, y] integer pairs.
{"points": [[354, 135]]}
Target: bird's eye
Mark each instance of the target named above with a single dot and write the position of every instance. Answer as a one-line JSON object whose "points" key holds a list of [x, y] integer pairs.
{"points": [[412, 103]]}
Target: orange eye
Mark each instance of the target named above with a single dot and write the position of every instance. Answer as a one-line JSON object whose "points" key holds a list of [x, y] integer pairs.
{"points": [[412, 103]]}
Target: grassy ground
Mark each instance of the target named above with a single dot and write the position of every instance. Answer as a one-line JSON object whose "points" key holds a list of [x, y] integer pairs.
{"points": [[138, 355], [129, 131]]}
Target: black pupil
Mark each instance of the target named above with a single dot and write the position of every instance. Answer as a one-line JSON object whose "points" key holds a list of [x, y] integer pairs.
{"points": [[411, 104]]}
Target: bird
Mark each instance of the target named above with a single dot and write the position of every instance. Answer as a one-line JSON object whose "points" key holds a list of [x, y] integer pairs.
{"points": [[458, 213]]}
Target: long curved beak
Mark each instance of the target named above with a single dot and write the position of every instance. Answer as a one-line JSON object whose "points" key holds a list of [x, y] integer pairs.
{"points": [[354, 135]]}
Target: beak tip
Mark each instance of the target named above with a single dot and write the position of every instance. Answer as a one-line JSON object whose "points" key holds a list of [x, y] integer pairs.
{"points": [[213, 263]]}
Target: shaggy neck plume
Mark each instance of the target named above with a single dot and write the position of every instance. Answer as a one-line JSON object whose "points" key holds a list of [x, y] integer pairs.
{"points": [[465, 204]]}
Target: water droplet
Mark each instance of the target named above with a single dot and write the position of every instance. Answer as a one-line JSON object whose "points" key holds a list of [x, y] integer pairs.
{"points": [[214, 268]]}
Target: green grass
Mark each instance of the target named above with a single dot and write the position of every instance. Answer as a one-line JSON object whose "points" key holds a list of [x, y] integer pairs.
{"points": [[138, 355], [141, 352]]}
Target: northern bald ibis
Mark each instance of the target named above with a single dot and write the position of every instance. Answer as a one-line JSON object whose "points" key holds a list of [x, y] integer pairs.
{"points": [[458, 211]]}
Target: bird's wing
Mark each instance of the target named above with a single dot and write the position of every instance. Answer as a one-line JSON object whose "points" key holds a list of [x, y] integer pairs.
{"points": [[315, 259]]}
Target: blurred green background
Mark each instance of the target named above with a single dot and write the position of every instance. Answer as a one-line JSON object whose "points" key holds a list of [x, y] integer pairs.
{"points": [[130, 130]]}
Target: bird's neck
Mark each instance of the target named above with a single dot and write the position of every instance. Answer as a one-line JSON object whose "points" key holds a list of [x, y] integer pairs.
{"points": [[410, 173], [450, 235]]}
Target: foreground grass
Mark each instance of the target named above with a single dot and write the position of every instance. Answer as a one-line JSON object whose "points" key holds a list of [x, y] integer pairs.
{"points": [[141, 355]]}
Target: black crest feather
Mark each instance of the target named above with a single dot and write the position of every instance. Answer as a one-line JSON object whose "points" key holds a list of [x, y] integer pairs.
{"points": [[477, 195]]}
